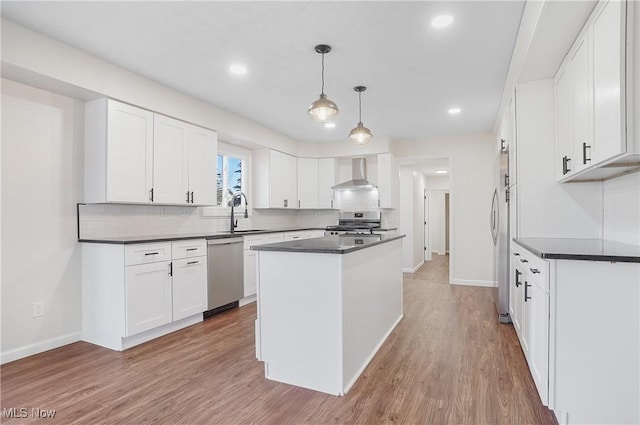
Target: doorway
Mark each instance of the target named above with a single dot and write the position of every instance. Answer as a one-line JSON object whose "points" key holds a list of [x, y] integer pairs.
{"points": [[446, 223]]}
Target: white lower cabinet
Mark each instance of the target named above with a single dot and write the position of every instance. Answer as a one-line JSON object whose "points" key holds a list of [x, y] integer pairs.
{"points": [[529, 310], [136, 292], [189, 287], [578, 322], [148, 296]]}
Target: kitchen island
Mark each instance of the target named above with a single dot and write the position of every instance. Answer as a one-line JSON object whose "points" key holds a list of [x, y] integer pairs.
{"points": [[325, 307]]}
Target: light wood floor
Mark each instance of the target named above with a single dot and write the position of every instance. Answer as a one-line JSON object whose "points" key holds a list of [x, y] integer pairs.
{"points": [[448, 362]]}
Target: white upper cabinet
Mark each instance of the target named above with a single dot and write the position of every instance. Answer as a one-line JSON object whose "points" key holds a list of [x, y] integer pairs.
{"points": [[594, 97], [327, 178], [135, 156], [118, 152], [170, 165], [202, 148], [308, 183], [275, 176]]}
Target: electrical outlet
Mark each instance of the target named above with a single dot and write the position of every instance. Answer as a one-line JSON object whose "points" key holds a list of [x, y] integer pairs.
{"points": [[38, 309]]}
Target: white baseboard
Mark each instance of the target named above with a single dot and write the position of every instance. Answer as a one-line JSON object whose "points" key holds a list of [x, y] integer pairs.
{"points": [[39, 347], [465, 282], [247, 300], [415, 269]]}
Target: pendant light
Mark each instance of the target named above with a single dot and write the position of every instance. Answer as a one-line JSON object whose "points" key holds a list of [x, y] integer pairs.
{"points": [[360, 135], [323, 110]]}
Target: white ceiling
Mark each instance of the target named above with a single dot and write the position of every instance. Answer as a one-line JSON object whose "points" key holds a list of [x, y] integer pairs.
{"points": [[414, 72]]}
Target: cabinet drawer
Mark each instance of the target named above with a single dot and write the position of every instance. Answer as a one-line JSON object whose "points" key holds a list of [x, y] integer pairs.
{"points": [[188, 249], [250, 241], [147, 253], [536, 267]]}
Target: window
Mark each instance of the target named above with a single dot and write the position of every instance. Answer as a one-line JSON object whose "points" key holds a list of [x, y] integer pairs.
{"points": [[230, 177]]}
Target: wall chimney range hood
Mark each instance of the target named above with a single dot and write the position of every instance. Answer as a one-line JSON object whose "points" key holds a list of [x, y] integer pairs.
{"points": [[358, 177]]}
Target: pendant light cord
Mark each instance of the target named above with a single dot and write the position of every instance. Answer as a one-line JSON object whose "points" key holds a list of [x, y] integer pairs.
{"points": [[322, 91], [360, 107]]}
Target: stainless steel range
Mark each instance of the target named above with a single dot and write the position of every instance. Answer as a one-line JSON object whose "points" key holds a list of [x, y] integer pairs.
{"points": [[355, 222]]}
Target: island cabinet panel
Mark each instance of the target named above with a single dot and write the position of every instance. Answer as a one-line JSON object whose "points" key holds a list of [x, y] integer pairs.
{"points": [[251, 259], [323, 316]]}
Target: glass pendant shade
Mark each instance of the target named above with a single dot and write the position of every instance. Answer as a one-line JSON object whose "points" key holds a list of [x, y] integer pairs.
{"points": [[323, 110], [360, 134]]}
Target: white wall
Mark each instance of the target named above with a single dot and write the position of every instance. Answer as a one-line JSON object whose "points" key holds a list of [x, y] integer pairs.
{"points": [[405, 217], [437, 220], [41, 184], [471, 159], [418, 218], [622, 209]]}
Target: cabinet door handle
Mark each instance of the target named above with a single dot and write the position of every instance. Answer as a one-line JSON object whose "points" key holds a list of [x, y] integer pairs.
{"points": [[187, 196], [584, 153], [522, 260], [298, 203], [506, 196], [526, 291], [151, 195], [565, 165], [332, 203], [151, 253], [516, 254], [192, 262], [378, 203], [534, 271], [502, 144], [192, 197], [518, 274], [286, 203], [170, 269], [506, 180], [192, 249]]}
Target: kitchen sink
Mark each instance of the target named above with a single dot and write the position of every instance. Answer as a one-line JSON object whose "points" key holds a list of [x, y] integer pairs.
{"points": [[247, 231]]}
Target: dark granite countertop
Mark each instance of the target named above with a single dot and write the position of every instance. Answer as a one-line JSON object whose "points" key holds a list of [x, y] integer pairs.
{"points": [[581, 249], [166, 238], [343, 244]]}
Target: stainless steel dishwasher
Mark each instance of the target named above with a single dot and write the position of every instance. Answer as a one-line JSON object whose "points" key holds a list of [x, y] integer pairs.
{"points": [[225, 272]]}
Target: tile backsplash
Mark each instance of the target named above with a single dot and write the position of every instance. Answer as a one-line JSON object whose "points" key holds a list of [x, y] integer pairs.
{"points": [[114, 220]]}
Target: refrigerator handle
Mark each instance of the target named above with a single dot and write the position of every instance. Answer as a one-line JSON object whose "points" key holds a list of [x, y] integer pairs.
{"points": [[494, 217]]}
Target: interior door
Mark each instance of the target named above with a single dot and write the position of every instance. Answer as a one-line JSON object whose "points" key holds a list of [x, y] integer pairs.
{"points": [[427, 244]]}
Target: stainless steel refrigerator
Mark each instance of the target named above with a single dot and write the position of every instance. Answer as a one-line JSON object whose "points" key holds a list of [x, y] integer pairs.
{"points": [[499, 223]]}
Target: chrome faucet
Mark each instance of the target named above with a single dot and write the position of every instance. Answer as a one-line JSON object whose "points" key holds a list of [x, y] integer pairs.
{"points": [[232, 203]]}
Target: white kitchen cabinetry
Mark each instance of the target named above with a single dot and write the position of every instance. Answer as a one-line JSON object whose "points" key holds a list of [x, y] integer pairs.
{"points": [[388, 181], [250, 259], [594, 97], [136, 292], [184, 163], [148, 296], [327, 178], [529, 308], [274, 179], [308, 183], [135, 156], [170, 165], [189, 278], [118, 152]]}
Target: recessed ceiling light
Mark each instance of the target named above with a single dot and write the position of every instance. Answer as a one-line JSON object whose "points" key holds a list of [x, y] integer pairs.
{"points": [[441, 171], [238, 69], [454, 111], [442, 21], [329, 125]]}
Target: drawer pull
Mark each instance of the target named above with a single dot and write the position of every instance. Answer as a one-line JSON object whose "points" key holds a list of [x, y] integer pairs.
{"points": [[151, 253], [534, 271], [522, 260], [516, 254], [192, 262], [526, 292], [192, 249]]}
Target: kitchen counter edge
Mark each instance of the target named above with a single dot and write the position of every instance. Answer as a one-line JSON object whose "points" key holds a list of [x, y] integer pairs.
{"points": [[314, 247], [150, 239], [561, 249]]}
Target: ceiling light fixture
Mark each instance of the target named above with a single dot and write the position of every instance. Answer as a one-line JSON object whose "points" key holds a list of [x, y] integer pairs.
{"points": [[238, 69], [442, 21], [360, 134], [454, 111], [441, 171], [329, 125], [323, 110]]}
